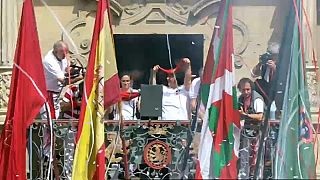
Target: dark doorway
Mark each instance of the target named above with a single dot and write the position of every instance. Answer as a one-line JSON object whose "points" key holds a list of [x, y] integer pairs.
{"points": [[137, 54]]}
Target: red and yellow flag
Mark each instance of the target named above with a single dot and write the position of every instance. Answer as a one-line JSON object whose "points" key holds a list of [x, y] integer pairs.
{"points": [[27, 95], [102, 89]]}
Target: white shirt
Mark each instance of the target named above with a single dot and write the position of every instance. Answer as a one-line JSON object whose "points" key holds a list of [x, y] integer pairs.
{"points": [[194, 89], [128, 109], [53, 69], [258, 105], [175, 103]]}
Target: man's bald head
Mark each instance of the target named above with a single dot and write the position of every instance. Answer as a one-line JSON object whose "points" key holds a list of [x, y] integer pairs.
{"points": [[60, 44], [60, 49]]}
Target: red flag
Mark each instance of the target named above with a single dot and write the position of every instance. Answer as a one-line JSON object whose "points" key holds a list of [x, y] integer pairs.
{"points": [[27, 95]]}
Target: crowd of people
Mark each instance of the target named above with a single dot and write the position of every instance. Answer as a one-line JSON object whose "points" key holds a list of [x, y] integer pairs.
{"points": [[179, 101]]}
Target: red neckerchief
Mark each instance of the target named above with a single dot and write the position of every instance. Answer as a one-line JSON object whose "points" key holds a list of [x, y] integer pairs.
{"points": [[127, 96], [246, 103], [174, 70]]}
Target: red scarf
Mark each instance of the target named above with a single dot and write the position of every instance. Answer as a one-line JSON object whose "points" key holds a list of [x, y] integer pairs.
{"points": [[127, 96], [174, 70], [246, 103]]}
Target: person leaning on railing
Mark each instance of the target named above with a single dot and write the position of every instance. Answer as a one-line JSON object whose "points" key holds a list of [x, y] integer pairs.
{"points": [[56, 65], [251, 108], [197, 108]]}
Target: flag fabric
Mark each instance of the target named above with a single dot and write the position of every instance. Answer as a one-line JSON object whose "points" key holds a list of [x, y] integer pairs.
{"points": [[111, 78], [295, 148], [27, 96], [218, 149], [102, 88]]}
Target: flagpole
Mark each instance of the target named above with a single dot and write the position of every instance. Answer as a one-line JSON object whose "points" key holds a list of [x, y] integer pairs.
{"points": [[52, 146], [272, 93], [124, 148], [30, 151], [190, 133]]}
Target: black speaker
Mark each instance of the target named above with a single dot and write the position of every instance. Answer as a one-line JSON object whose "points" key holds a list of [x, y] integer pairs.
{"points": [[151, 100]]}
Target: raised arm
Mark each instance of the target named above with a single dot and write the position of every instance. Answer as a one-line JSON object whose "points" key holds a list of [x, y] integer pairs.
{"points": [[256, 71], [153, 75], [188, 74]]}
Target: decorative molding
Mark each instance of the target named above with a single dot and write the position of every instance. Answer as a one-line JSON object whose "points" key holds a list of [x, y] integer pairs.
{"points": [[5, 68], [78, 31], [242, 46], [203, 4], [238, 61], [313, 88], [243, 29], [137, 13], [116, 8], [5, 79], [175, 11]]}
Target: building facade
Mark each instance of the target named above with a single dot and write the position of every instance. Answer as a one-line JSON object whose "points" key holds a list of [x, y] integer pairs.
{"points": [[145, 26]]}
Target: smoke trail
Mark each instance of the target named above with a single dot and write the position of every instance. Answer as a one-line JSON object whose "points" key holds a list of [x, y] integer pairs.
{"points": [[61, 27]]}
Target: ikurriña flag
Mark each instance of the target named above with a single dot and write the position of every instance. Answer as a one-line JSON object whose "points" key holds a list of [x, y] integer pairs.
{"points": [[218, 149]]}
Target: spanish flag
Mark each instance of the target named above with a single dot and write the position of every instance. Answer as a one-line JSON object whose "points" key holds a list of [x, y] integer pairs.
{"points": [[102, 89]]}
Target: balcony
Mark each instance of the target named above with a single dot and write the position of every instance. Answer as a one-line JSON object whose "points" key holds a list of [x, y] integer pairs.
{"points": [[155, 149]]}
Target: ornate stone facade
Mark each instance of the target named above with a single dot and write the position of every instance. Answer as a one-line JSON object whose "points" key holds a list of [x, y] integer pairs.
{"points": [[255, 24]]}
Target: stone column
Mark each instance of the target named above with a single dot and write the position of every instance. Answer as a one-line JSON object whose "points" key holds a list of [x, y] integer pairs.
{"points": [[8, 32]]}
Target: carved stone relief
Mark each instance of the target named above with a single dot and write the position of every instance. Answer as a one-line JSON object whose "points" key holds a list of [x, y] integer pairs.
{"points": [[80, 40], [154, 12], [4, 89], [241, 43], [313, 87], [177, 11], [174, 11]]}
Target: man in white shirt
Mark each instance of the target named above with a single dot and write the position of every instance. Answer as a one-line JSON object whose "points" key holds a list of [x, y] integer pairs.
{"points": [[55, 66], [194, 95], [175, 99]]}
